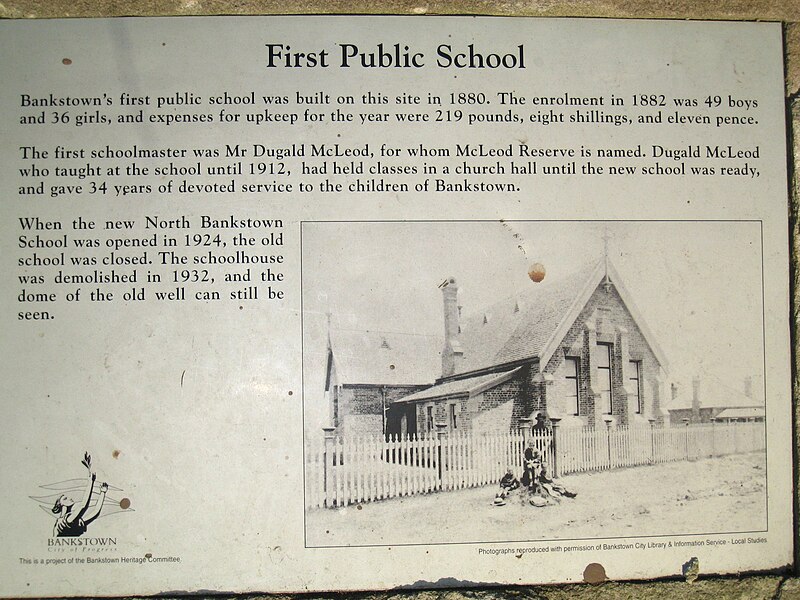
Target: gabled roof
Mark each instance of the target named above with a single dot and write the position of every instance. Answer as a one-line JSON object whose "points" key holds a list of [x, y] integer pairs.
{"points": [[742, 413], [385, 358], [714, 396], [467, 386], [517, 327], [533, 324]]}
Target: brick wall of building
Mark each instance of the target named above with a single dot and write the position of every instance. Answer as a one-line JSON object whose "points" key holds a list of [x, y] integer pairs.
{"points": [[528, 393], [505, 392], [497, 409], [367, 401], [609, 315], [441, 414], [360, 425], [495, 419]]}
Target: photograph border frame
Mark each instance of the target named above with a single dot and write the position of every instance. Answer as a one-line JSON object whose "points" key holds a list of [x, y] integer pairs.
{"points": [[760, 222]]}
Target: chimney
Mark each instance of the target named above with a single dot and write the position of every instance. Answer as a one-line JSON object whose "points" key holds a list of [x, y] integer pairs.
{"points": [[696, 400], [452, 348], [748, 387]]}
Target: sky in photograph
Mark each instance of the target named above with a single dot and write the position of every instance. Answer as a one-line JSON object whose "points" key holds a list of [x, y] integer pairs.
{"points": [[697, 285]]}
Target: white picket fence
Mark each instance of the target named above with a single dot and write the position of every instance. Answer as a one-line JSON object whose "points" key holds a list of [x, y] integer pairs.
{"points": [[587, 449], [340, 472]]}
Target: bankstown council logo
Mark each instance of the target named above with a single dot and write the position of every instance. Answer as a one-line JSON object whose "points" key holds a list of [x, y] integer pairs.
{"points": [[75, 505]]}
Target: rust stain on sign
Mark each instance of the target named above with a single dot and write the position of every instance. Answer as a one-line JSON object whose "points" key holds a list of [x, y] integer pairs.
{"points": [[536, 272], [594, 573]]}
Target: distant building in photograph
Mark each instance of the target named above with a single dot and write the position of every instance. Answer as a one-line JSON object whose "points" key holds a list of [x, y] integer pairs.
{"points": [[576, 350], [718, 403]]}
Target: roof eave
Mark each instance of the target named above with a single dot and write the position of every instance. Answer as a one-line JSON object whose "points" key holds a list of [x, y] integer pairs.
{"points": [[500, 368], [478, 389], [451, 396]]}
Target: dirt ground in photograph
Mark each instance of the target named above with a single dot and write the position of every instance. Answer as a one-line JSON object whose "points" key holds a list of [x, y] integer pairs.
{"points": [[711, 495]]}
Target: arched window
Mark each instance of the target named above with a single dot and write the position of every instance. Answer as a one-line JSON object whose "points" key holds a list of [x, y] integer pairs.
{"points": [[572, 386], [604, 377], [636, 384]]}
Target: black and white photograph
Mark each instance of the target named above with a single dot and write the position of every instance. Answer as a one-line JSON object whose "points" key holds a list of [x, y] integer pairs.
{"points": [[522, 381]]}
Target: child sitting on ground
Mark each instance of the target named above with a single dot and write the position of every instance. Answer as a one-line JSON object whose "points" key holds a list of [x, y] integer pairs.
{"points": [[508, 484]]}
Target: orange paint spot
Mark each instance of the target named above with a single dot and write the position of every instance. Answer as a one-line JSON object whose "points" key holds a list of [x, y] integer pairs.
{"points": [[537, 272], [66, 61], [125, 503]]}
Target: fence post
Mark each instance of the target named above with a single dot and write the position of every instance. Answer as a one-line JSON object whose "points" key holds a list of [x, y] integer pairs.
{"points": [[686, 439], [652, 421], [525, 425], [327, 461], [713, 437], [554, 421], [608, 421], [441, 434]]}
